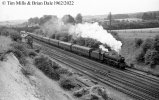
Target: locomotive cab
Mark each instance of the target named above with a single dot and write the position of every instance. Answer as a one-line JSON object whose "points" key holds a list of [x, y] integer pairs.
{"points": [[122, 63]]}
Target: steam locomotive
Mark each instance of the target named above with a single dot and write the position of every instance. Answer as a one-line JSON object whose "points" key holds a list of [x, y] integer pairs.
{"points": [[106, 57]]}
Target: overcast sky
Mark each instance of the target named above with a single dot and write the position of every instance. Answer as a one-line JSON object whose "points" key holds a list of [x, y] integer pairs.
{"points": [[85, 7]]}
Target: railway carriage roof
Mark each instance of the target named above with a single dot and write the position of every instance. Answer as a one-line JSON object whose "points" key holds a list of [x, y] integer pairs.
{"points": [[65, 43], [53, 39], [46, 37]]}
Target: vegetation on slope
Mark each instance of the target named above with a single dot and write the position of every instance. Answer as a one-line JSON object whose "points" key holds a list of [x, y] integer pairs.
{"points": [[142, 52]]}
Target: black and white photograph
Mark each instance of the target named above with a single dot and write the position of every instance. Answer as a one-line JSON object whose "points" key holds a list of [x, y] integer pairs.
{"points": [[79, 49]]}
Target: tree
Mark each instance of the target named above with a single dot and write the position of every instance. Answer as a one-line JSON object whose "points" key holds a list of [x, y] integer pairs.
{"points": [[78, 18], [64, 38], [68, 19], [140, 55], [80, 41], [45, 18], [30, 41], [53, 36], [156, 44], [138, 42], [57, 36], [145, 16], [151, 57], [34, 20], [15, 36], [149, 16], [92, 43], [148, 44], [110, 21]]}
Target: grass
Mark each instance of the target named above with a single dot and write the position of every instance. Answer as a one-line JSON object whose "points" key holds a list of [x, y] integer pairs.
{"points": [[4, 43], [143, 30], [133, 35], [4, 46], [138, 33], [128, 50]]}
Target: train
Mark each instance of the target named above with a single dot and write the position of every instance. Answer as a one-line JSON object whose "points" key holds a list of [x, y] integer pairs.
{"points": [[106, 57]]}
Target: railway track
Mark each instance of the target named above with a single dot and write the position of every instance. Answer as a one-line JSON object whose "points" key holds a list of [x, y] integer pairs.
{"points": [[148, 92], [128, 73], [151, 78]]}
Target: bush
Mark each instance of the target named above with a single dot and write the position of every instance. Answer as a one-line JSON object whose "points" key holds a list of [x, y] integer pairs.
{"points": [[41, 62], [81, 92], [32, 53], [157, 38], [20, 56], [68, 83], [20, 47], [5, 33], [55, 65], [30, 41], [148, 44], [16, 52], [152, 57], [92, 97], [37, 50], [138, 42], [148, 53], [23, 61], [80, 41], [46, 66], [52, 36], [20, 51], [88, 42], [140, 55], [100, 91], [63, 71], [2, 57], [156, 44], [53, 75], [27, 71], [92, 43], [15, 36]]}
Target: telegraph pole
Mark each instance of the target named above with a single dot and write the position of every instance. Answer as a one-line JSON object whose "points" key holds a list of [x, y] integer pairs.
{"points": [[110, 21]]}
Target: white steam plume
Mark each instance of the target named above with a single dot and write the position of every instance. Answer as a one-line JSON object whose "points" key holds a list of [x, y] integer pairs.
{"points": [[96, 32], [103, 48]]}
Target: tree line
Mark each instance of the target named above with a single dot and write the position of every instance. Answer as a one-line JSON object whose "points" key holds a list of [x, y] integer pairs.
{"points": [[117, 25], [66, 19]]}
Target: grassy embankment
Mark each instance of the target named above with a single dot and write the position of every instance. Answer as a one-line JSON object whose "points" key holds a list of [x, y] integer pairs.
{"points": [[130, 51], [4, 43]]}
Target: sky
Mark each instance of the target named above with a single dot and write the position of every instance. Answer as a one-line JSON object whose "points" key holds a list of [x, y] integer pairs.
{"points": [[13, 11]]}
